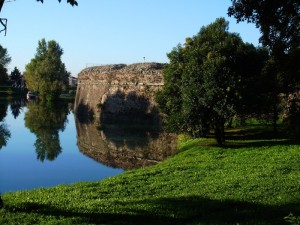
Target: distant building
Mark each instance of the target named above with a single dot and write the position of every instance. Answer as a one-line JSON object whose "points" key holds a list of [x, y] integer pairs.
{"points": [[72, 81]]}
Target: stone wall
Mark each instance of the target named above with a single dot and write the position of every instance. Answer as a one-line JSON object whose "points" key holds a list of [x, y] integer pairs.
{"points": [[118, 89]]}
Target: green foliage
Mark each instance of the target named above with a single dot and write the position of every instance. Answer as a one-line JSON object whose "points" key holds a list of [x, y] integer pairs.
{"points": [[15, 76], [45, 121], [277, 20], [5, 59], [46, 74], [248, 182], [203, 80], [279, 25], [3, 74]]}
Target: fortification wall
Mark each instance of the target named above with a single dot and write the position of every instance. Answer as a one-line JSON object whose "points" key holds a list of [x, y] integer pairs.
{"points": [[118, 89]]}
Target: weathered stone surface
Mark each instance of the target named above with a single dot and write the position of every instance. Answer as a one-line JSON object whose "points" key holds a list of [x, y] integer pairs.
{"points": [[118, 89]]}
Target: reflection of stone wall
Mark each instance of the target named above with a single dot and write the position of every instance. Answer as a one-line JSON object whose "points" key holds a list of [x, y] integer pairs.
{"points": [[97, 84], [97, 145]]}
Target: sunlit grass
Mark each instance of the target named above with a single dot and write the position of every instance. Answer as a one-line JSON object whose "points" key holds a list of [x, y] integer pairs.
{"points": [[244, 182]]}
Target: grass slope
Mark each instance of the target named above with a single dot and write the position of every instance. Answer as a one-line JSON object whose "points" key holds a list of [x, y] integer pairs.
{"points": [[246, 182]]}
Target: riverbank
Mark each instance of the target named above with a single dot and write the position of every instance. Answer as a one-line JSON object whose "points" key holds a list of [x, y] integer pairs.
{"points": [[9, 92], [253, 181]]}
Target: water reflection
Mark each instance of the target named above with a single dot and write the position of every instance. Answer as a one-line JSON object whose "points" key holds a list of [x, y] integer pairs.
{"points": [[45, 121], [4, 132], [127, 133], [124, 145], [16, 106]]}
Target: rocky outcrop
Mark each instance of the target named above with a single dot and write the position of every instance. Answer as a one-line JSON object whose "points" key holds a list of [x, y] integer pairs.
{"points": [[118, 89]]}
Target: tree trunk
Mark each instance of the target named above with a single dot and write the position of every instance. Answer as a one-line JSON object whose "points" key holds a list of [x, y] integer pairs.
{"points": [[275, 118], [219, 132]]}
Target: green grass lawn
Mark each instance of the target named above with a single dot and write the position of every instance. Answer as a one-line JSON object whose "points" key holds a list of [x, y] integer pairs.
{"points": [[245, 182]]}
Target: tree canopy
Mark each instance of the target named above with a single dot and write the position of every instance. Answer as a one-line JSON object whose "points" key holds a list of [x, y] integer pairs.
{"points": [[203, 81], [46, 74], [15, 76], [5, 59], [278, 22]]}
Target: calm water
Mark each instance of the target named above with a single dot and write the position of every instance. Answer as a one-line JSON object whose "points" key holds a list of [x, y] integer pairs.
{"points": [[44, 146]]}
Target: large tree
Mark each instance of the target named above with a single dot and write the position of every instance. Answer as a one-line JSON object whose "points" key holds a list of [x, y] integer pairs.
{"points": [[46, 74], [278, 22], [202, 81], [15, 76]]}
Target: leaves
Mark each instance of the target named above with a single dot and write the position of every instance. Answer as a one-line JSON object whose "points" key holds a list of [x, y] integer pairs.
{"points": [[5, 59], [201, 79], [46, 74], [71, 2]]}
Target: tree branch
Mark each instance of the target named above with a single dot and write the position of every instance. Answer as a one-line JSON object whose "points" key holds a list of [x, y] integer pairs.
{"points": [[1, 4]]}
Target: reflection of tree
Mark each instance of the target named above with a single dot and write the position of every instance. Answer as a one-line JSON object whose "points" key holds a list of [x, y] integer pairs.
{"points": [[4, 135], [47, 145], [3, 110], [45, 121], [4, 132], [16, 106]]}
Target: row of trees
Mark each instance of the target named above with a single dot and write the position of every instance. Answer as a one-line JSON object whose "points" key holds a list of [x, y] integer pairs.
{"points": [[215, 76]]}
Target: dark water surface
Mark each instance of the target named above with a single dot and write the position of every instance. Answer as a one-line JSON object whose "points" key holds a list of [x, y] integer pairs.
{"points": [[44, 146]]}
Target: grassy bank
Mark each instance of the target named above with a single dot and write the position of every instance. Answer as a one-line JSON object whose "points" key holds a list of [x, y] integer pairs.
{"points": [[246, 182]]}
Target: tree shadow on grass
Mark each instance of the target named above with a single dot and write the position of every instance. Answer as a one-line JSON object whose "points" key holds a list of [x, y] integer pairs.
{"points": [[258, 137], [253, 137], [181, 210]]}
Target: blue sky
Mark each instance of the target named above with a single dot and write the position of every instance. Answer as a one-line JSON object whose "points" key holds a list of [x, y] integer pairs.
{"points": [[101, 32]]}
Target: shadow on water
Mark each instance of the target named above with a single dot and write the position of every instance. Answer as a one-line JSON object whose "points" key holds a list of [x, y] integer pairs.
{"points": [[127, 135], [45, 121], [85, 114]]}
